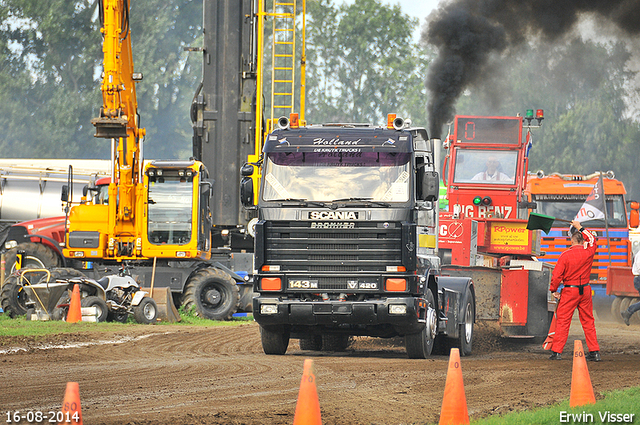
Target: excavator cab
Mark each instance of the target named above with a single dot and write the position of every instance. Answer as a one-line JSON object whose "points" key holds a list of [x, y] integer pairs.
{"points": [[177, 219]]}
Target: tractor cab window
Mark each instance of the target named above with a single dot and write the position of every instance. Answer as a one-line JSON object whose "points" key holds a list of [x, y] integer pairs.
{"points": [[169, 208], [485, 166]]}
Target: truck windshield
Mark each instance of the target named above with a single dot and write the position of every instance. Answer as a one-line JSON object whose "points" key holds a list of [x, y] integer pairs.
{"points": [[170, 201], [485, 166], [567, 206], [325, 176]]}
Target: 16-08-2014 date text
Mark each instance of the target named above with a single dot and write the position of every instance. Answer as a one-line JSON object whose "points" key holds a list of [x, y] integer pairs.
{"points": [[36, 416]]}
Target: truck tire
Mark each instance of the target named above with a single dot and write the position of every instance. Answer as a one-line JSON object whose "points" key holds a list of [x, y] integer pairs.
{"points": [[214, 294], [13, 298], [335, 342], [275, 340], [465, 340], [99, 304], [146, 312], [312, 343], [38, 256], [420, 345]]}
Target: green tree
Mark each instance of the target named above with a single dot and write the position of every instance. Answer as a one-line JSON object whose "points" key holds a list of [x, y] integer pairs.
{"points": [[50, 65], [362, 63]]}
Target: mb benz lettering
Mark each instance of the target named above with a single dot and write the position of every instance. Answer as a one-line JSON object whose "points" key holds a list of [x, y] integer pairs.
{"points": [[333, 215]]}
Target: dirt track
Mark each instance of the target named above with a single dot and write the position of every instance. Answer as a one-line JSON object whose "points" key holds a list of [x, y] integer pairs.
{"points": [[169, 374]]}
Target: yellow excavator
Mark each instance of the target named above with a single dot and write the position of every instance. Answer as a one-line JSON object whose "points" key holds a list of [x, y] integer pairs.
{"points": [[157, 213]]}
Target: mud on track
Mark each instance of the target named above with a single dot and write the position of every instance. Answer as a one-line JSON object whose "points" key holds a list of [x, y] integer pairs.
{"points": [[189, 375]]}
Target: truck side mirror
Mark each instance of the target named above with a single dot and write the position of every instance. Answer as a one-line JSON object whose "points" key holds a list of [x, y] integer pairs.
{"points": [[430, 186], [246, 192], [64, 196], [634, 215], [246, 170]]}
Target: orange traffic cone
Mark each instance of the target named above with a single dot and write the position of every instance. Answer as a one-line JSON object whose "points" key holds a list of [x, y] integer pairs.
{"points": [[75, 310], [308, 407], [548, 343], [581, 388], [71, 412], [454, 404]]}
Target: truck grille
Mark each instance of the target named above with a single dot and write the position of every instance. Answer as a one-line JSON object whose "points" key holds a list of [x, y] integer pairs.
{"points": [[368, 247]]}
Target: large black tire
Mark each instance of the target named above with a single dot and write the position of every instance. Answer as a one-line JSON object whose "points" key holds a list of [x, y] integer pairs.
{"points": [[335, 342], [146, 312], [275, 340], [214, 294], [420, 345], [312, 343], [99, 304], [465, 340], [37, 256], [13, 298]]}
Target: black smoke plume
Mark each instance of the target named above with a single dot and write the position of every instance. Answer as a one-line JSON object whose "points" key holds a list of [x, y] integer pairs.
{"points": [[469, 33]]}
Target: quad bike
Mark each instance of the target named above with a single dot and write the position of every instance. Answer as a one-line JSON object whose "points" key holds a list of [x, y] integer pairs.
{"points": [[114, 297]]}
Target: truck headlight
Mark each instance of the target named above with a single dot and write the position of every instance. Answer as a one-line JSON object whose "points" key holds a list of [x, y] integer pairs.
{"points": [[397, 309], [268, 309]]}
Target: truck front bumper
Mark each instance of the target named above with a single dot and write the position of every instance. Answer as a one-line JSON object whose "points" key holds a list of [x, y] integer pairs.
{"points": [[400, 313]]}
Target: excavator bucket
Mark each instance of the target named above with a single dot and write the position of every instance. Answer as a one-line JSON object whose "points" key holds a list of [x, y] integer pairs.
{"points": [[167, 310]]}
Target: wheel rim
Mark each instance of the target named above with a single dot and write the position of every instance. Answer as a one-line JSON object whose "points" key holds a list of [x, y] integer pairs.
{"points": [[468, 323], [212, 297], [149, 311], [431, 322]]}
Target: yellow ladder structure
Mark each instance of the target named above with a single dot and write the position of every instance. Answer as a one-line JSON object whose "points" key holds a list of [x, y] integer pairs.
{"points": [[283, 50]]}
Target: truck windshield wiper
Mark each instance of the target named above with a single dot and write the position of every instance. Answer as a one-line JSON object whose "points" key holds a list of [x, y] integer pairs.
{"points": [[301, 201], [365, 200]]}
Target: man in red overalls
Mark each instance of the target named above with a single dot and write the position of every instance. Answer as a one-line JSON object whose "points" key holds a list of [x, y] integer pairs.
{"points": [[573, 269]]}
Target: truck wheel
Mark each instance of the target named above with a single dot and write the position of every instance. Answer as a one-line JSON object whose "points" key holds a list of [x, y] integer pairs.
{"points": [[313, 343], [335, 342], [615, 310], [213, 292], [420, 345], [13, 298], [38, 256], [465, 340], [146, 312], [99, 304], [275, 340]]}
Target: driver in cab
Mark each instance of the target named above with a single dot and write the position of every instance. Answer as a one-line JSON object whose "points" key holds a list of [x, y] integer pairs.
{"points": [[492, 171]]}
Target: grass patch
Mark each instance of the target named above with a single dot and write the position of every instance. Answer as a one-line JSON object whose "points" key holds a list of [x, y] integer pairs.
{"points": [[616, 403], [21, 327]]}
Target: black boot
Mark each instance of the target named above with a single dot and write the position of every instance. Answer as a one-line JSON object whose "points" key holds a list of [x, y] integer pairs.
{"points": [[626, 316], [593, 356], [555, 356]]}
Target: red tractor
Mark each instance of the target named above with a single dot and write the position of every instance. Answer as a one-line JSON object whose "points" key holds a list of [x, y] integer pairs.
{"points": [[483, 234]]}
